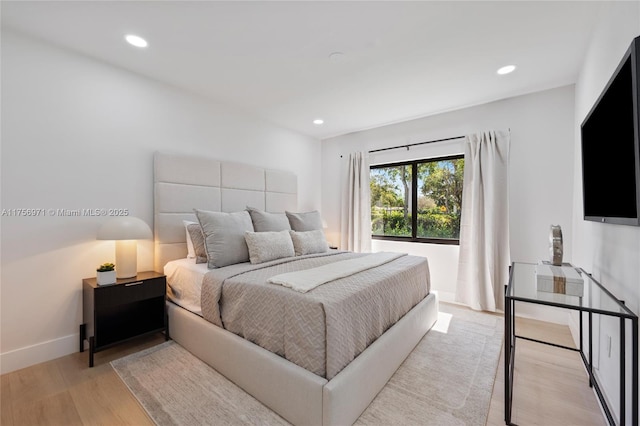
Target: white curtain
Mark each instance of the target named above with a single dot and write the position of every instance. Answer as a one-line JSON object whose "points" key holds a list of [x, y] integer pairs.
{"points": [[356, 205], [483, 268]]}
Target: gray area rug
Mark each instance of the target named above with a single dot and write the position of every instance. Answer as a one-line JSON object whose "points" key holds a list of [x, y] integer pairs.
{"points": [[446, 380]]}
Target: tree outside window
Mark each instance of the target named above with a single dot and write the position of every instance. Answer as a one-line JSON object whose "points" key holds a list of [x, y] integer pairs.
{"points": [[417, 201]]}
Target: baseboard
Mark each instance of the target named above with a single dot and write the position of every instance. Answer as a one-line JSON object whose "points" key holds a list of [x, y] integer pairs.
{"points": [[35, 354], [543, 313], [446, 296]]}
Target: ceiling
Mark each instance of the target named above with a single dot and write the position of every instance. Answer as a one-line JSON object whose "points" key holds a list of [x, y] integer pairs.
{"points": [[400, 61]]}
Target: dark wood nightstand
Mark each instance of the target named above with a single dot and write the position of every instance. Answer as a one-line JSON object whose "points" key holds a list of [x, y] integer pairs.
{"points": [[131, 307]]}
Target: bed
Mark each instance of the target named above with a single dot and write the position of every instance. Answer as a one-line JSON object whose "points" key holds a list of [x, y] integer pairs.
{"points": [[293, 354]]}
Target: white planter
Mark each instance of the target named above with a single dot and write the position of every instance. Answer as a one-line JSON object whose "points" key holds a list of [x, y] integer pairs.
{"points": [[106, 277]]}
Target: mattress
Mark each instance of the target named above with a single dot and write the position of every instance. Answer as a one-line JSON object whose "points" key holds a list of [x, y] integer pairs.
{"points": [[324, 329], [184, 283]]}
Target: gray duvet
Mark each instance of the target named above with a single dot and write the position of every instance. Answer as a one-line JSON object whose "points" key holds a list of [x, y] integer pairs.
{"points": [[324, 329]]}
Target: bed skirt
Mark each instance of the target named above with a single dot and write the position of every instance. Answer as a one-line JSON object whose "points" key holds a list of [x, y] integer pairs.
{"points": [[296, 394]]}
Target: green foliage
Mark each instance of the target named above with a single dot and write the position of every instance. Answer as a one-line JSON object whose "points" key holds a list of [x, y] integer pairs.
{"points": [[436, 224], [442, 182], [390, 222], [439, 199], [106, 267], [384, 192], [431, 224]]}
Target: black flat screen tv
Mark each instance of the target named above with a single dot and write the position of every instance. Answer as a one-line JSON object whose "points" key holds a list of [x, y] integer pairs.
{"points": [[610, 137]]}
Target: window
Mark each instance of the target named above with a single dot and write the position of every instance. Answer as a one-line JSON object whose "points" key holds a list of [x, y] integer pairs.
{"points": [[417, 200]]}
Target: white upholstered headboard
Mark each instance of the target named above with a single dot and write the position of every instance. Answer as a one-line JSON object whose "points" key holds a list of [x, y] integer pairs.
{"points": [[182, 183]]}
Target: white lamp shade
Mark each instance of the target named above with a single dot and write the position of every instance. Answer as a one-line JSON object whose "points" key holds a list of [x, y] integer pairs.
{"points": [[124, 228]]}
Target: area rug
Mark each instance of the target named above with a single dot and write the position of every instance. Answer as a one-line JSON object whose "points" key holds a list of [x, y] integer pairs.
{"points": [[446, 380]]}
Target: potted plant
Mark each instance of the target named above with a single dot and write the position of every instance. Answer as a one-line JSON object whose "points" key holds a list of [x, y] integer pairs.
{"points": [[106, 274]]}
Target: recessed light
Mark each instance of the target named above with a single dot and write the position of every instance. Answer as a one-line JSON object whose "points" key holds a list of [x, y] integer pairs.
{"points": [[318, 121], [136, 41], [506, 69]]}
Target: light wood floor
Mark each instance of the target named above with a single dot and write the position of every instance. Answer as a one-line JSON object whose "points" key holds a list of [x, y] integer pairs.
{"points": [[550, 387], [550, 384]]}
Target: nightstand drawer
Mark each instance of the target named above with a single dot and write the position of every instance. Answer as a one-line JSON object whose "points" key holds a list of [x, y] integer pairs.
{"points": [[134, 291]]}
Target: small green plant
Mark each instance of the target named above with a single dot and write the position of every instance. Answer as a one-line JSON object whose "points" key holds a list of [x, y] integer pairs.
{"points": [[106, 267]]}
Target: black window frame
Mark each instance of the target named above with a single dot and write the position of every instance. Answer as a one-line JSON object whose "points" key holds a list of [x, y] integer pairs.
{"points": [[414, 202]]}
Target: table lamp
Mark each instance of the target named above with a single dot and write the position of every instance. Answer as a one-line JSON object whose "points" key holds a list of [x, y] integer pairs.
{"points": [[125, 230]]}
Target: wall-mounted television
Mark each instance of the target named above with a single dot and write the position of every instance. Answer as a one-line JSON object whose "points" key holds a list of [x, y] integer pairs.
{"points": [[610, 136]]}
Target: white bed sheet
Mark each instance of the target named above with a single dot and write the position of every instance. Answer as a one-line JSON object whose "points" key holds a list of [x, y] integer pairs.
{"points": [[184, 281]]}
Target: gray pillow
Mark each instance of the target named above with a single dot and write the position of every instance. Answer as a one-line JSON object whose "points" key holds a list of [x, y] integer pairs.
{"points": [[197, 238], [309, 242], [224, 236], [266, 246], [268, 222], [309, 221]]}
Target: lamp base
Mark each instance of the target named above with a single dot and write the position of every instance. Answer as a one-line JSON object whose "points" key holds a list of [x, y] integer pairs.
{"points": [[126, 258]]}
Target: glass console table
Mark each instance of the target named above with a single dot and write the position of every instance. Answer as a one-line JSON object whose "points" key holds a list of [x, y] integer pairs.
{"points": [[597, 300]]}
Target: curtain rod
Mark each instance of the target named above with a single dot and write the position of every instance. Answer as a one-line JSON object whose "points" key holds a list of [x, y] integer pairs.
{"points": [[414, 144], [420, 143]]}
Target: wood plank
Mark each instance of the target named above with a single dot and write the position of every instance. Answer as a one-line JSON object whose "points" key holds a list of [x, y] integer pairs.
{"points": [[107, 400], [36, 383], [57, 409], [6, 410], [546, 331]]}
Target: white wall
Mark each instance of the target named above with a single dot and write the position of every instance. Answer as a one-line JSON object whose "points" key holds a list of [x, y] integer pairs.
{"points": [[541, 173], [77, 133], [610, 252]]}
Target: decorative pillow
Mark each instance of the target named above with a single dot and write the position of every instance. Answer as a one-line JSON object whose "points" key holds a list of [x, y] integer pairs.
{"points": [[194, 230], [301, 222], [265, 246], [191, 254], [224, 236], [268, 222], [309, 242]]}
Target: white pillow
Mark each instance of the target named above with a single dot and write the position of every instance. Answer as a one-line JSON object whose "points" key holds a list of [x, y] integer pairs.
{"points": [[268, 245], [191, 252], [309, 242]]}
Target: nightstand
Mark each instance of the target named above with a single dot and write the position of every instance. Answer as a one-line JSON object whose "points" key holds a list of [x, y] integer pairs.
{"points": [[114, 313]]}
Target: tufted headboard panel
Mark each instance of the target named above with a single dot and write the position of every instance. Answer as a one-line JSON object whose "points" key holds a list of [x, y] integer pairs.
{"points": [[182, 183]]}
